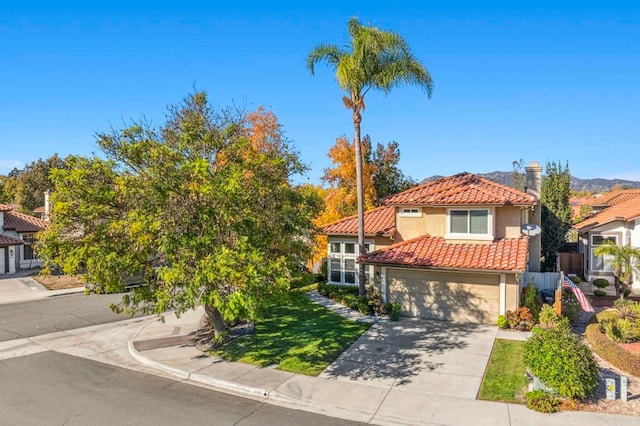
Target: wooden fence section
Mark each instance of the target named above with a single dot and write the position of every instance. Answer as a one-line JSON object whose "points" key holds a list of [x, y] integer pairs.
{"points": [[572, 263], [543, 280]]}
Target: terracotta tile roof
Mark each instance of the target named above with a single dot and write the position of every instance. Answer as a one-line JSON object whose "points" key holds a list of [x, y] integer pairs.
{"points": [[6, 207], [625, 210], [463, 188], [21, 222], [608, 199], [8, 241], [39, 209], [380, 221], [508, 254]]}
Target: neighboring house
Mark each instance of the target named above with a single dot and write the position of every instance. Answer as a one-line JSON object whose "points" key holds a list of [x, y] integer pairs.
{"points": [[17, 236], [615, 218], [447, 249]]}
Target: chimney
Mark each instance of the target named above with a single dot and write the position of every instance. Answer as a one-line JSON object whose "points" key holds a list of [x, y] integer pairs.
{"points": [[533, 181], [46, 205], [533, 186]]}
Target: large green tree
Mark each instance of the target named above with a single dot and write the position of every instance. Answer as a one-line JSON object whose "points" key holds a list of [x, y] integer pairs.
{"points": [[203, 208], [25, 187], [556, 212], [373, 59], [387, 177], [623, 260]]}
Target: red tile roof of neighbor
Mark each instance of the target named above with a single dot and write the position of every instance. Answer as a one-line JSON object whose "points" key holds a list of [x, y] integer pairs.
{"points": [[6, 207], [507, 254], [8, 241], [461, 189], [21, 222], [625, 210], [380, 221], [39, 209]]}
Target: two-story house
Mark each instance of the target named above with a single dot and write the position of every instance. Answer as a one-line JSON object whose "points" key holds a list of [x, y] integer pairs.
{"points": [[17, 235], [614, 218], [447, 249]]}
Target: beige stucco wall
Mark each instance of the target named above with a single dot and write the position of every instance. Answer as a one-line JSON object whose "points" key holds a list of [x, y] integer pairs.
{"points": [[409, 227], [435, 221], [507, 222], [513, 292]]}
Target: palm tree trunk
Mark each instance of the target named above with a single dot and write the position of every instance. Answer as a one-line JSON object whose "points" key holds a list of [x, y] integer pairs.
{"points": [[357, 118]]}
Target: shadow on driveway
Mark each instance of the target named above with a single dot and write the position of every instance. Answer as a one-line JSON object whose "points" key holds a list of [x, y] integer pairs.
{"points": [[416, 352]]}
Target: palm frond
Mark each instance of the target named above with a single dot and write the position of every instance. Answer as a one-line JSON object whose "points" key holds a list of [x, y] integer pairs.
{"points": [[327, 53]]}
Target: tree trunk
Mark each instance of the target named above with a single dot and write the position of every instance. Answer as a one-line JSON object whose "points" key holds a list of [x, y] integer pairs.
{"points": [[357, 118], [215, 319]]}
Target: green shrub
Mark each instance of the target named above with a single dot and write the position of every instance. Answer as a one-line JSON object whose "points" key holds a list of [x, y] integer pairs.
{"points": [[520, 319], [599, 293], [396, 310], [363, 305], [375, 300], [562, 362], [386, 308], [542, 402], [621, 330], [576, 279], [550, 319], [502, 322], [627, 308], [532, 300], [350, 300], [570, 305], [601, 282], [608, 349]]}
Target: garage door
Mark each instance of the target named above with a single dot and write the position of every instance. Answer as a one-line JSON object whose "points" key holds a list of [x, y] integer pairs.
{"points": [[446, 295]]}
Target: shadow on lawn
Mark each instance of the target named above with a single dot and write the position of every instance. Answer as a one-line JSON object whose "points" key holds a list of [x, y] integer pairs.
{"points": [[300, 336]]}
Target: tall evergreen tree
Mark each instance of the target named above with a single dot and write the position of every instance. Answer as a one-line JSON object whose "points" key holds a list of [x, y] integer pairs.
{"points": [[556, 212]]}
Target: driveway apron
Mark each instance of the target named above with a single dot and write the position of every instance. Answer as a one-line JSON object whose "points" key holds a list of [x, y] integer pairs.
{"points": [[438, 358]]}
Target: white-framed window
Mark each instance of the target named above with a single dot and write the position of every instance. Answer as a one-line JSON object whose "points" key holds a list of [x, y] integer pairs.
{"points": [[410, 212], [601, 263], [343, 268], [470, 223]]}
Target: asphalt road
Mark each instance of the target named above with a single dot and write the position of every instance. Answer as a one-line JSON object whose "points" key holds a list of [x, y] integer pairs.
{"points": [[36, 317], [52, 388]]}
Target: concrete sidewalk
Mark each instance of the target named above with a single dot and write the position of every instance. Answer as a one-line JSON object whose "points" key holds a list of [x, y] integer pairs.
{"points": [[166, 347], [16, 288]]}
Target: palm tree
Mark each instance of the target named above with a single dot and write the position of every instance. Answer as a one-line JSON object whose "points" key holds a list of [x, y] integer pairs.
{"points": [[623, 261], [374, 59]]}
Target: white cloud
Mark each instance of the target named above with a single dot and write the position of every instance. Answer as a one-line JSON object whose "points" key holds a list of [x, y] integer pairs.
{"points": [[7, 165]]}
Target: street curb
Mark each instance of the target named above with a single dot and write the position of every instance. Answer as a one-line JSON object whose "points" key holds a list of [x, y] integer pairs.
{"points": [[200, 378]]}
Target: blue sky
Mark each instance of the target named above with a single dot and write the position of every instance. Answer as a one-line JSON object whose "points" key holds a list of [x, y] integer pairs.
{"points": [[533, 80]]}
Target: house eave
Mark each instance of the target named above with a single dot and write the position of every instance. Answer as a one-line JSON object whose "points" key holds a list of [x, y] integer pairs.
{"points": [[443, 268]]}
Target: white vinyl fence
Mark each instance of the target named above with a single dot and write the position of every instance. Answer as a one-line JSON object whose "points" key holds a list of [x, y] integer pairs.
{"points": [[543, 280]]}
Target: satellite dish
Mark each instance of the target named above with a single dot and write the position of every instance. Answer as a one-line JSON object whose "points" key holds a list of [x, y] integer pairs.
{"points": [[530, 229]]}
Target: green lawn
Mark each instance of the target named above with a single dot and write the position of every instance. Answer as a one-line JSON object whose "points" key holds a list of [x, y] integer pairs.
{"points": [[505, 378], [300, 336]]}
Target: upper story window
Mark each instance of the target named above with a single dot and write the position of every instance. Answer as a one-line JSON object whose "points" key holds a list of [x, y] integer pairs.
{"points": [[601, 263], [410, 212], [470, 223]]}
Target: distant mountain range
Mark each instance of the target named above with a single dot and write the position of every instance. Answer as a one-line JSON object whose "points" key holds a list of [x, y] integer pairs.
{"points": [[594, 185]]}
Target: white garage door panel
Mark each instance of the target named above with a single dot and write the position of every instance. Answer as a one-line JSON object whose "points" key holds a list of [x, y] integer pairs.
{"points": [[442, 295]]}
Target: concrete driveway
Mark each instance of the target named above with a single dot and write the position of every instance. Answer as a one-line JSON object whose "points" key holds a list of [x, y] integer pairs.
{"points": [[428, 357]]}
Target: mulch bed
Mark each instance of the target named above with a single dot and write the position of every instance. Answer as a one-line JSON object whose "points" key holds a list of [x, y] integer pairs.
{"points": [[204, 336]]}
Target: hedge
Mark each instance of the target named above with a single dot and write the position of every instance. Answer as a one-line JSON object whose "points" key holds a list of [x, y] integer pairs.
{"points": [[610, 350]]}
